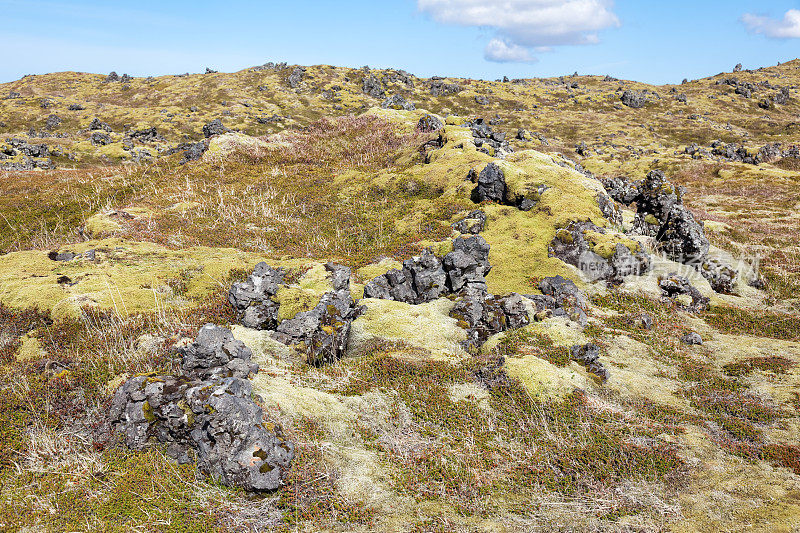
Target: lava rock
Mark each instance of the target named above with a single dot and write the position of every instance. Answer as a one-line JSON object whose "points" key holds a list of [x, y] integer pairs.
{"points": [[633, 99], [214, 127], [252, 298], [567, 299], [692, 338], [682, 238], [98, 138], [473, 223], [216, 354], [721, 276], [97, 124], [491, 185], [296, 77], [588, 355], [373, 87], [673, 286], [53, 121], [484, 315], [398, 102], [429, 124]]}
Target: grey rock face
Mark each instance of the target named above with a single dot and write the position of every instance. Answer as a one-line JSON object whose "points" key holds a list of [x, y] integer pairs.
{"points": [[682, 238], [214, 127], [722, 277], [398, 102], [473, 223], [588, 355], [429, 124], [674, 285], [296, 77], [633, 99], [213, 416], [373, 87], [426, 277], [146, 135], [195, 151], [483, 315], [563, 297], [491, 185], [571, 246], [215, 353], [98, 138], [439, 87], [53, 121], [321, 333], [97, 124], [252, 298], [487, 140], [692, 338]]}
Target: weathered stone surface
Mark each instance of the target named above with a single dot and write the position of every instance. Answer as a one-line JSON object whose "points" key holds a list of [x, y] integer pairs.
{"points": [[398, 102], [571, 246], [214, 127], [252, 298], [214, 417], [675, 285], [562, 297], [473, 223], [588, 355], [483, 315], [429, 124], [634, 99], [491, 185]]}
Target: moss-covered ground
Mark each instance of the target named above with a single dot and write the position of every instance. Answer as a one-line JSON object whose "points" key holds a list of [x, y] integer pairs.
{"points": [[409, 432]]}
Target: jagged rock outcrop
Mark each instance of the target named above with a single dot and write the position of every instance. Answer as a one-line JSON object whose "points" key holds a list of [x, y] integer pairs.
{"points": [[373, 87], [588, 355], [320, 333], [429, 124], [575, 245], [252, 298], [438, 87], [296, 77], [214, 127], [660, 213], [398, 102], [97, 124], [473, 223], [491, 187], [686, 295], [487, 140], [483, 315], [208, 413], [560, 297], [427, 277], [634, 99]]}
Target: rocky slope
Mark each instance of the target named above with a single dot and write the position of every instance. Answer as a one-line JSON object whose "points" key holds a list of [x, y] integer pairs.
{"points": [[339, 299]]}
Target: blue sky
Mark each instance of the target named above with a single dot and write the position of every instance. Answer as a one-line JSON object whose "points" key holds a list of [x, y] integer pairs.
{"points": [[653, 41]]}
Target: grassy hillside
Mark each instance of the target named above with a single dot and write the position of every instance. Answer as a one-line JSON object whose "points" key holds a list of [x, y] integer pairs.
{"points": [[411, 430]]}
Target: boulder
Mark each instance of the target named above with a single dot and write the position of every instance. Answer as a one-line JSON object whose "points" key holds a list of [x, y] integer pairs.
{"points": [[209, 412], [473, 223], [634, 99], [214, 127], [588, 355], [373, 87], [398, 102], [491, 185], [296, 77], [429, 124], [252, 298], [484, 315]]}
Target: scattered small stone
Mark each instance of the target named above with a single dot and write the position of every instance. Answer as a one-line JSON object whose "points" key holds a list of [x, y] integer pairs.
{"points": [[692, 338]]}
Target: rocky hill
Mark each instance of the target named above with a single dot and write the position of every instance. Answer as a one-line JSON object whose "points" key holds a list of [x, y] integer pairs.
{"points": [[329, 299]]}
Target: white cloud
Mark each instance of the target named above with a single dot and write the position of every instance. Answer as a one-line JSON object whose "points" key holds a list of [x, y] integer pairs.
{"points": [[500, 51], [786, 28], [537, 24]]}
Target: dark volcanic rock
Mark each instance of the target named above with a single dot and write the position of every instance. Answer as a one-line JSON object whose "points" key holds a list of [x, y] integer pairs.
{"points": [[296, 77], [97, 124], [675, 285], [682, 238], [473, 223], [398, 102], [487, 140], [491, 185], [633, 99], [195, 151], [252, 298], [53, 121], [429, 124], [571, 246], [588, 355], [98, 138], [210, 412], [373, 87], [146, 135], [438, 87], [214, 127], [426, 277], [483, 315], [565, 299], [722, 277]]}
